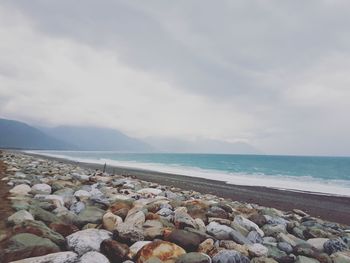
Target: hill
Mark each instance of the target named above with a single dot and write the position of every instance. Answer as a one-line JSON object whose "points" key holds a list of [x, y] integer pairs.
{"points": [[19, 135]]}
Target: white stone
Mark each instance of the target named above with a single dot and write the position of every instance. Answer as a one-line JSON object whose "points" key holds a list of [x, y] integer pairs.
{"points": [[151, 191], [220, 232], [247, 224], [317, 243], [136, 247], [21, 189], [93, 257], [19, 217], [87, 240], [41, 189], [135, 218], [111, 221], [82, 194], [257, 250], [57, 200], [60, 257]]}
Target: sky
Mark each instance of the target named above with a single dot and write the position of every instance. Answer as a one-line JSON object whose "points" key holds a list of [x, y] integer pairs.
{"points": [[274, 74]]}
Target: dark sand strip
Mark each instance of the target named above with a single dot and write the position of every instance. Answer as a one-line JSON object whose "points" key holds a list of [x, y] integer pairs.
{"points": [[332, 208]]}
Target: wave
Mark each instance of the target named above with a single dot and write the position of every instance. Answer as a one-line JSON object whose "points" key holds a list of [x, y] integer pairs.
{"points": [[292, 183]]}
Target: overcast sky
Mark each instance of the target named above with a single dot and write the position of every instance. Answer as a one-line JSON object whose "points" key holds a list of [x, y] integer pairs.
{"points": [[275, 74]]}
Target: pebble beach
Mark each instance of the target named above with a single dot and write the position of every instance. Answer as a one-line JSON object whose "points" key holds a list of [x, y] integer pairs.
{"points": [[60, 212]]}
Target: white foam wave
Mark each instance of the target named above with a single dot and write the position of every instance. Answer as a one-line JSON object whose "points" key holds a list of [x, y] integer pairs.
{"points": [[291, 183]]}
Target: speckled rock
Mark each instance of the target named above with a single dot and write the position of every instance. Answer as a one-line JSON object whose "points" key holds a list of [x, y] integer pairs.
{"points": [[87, 240]]}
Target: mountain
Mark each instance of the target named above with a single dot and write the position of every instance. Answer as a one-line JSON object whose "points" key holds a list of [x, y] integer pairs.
{"points": [[97, 139], [200, 145], [19, 135]]}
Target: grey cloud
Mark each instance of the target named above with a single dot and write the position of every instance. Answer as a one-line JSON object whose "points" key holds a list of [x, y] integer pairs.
{"points": [[254, 55]]}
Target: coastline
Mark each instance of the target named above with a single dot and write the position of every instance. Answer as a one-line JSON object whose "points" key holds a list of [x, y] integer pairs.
{"points": [[327, 207]]}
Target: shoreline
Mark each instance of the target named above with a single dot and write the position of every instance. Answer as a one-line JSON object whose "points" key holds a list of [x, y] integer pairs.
{"points": [[328, 207]]}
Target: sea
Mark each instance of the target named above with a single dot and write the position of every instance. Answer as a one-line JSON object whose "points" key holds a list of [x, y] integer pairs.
{"points": [[325, 175]]}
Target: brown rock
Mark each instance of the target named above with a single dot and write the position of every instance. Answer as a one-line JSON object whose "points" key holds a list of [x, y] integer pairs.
{"points": [[152, 216], [165, 251], [207, 247], [120, 208], [258, 219], [63, 229], [185, 239], [116, 252], [197, 209]]}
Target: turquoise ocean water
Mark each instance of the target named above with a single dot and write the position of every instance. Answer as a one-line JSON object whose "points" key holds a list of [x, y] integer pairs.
{"points": [[328, 175]]}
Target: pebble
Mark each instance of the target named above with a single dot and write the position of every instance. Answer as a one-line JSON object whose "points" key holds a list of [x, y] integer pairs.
{"points": [[103, 218]]}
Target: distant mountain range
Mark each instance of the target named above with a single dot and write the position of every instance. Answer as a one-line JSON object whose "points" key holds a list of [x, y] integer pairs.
{"points": [[15, 134], [19, 135]]}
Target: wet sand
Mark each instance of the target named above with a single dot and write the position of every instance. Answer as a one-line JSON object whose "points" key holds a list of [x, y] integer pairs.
{"points": [[332, 208]]}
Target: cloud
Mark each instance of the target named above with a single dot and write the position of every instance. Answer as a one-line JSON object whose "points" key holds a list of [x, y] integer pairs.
{"points": [[273, 73]]}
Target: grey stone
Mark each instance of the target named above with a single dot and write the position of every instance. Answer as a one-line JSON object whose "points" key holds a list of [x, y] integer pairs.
{"points": [[230, 256]]}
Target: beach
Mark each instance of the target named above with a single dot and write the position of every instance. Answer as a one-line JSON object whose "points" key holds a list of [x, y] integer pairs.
{"points": [[59, 211], [333, 208]]}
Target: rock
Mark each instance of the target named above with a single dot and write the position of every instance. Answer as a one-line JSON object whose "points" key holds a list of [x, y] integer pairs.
{"points": [[263, 260], [193, 257], [164, 251], [59, 257], [231, 245], [19, 217], [136, 247], [43, 215], [196, 208], [182, 220], [302, 259], [219, 231], [207, 247], [116, 252], [90, 214], [26, 245], [258, 219], [165, 212], [257, 250], [317, 243], [64, 229], [230, 256], [38, 228], [21, 189], [149, 191], [56, 200], [93, 257], [82, 195], [111, 221], [77, 207], [87, 240], [129, 234], [247, 224], [274, 230], [41, 189], [341, 257], [275, 253], [217, 212], [300, 212], [288, 238], [286, 247], [153, 229], [254, 237], [334, 245], [185, 239], [239, 238], [135, 219], [80, 177]]}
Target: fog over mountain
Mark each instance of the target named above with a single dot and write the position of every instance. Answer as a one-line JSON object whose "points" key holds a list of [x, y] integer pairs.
{"points": [[19, 135]]}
